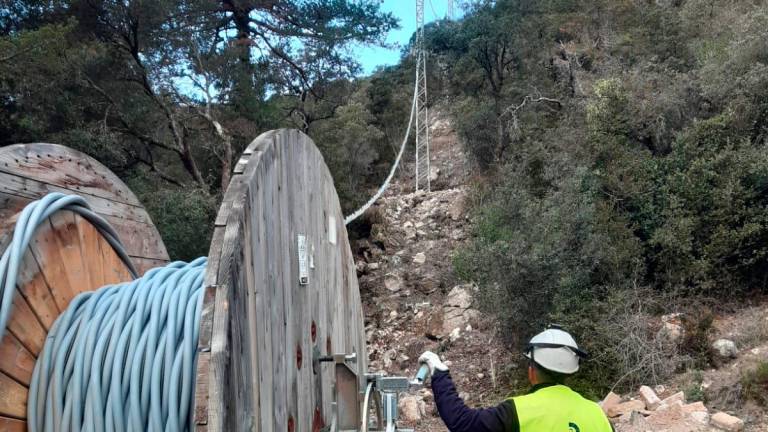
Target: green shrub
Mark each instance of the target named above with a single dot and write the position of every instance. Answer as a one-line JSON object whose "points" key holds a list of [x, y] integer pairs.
{"points": [[184, 217], [693, 391], [476, 125], [754, 384], [697, 326]]}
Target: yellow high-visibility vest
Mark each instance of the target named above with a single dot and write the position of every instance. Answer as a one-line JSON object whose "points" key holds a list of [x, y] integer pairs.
{"points": [[558, 408]]}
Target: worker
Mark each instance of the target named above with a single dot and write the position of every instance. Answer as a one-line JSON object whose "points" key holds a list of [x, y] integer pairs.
{"points": [[549, 406]]}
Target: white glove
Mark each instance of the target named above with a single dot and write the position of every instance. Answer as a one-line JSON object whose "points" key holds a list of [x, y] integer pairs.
{"points": [[433, 361]]}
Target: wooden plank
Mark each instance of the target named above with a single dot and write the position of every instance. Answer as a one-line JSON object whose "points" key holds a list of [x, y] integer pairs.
{"points": [[46, 251], [12, 425], [282, 356], [288, 283], [298, 178], [250, 323], [260, 327], [90, 246], [10, 207], [24, 325], [224, 378], [209, 297], [15, 360], [13, 398], [204, 372], [33, 286], [318, 216], [113, 267], [67, 244], [202, 386]]}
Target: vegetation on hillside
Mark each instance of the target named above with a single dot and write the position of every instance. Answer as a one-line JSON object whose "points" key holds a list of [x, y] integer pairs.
{"points": [[620, 144], [626, 172]]}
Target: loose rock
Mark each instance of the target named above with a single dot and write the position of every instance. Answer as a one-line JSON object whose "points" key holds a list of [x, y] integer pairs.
{"points": [[650, 398], [727, 422], [725, 348], [626, 408], [411, 408], [393, 282], [610, 401]]}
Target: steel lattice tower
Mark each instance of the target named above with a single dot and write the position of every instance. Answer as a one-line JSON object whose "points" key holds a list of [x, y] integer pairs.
{"points": [[449, 10], [422, 114]]}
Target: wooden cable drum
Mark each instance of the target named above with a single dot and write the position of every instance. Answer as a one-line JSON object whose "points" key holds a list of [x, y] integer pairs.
{"points": [[281, 289], [68, 255]]}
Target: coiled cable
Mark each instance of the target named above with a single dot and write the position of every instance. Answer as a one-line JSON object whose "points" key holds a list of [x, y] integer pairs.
{"points": [[121, 358]]}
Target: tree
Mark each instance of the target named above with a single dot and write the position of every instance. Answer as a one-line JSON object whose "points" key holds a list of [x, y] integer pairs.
{"points": [[180, 79]]}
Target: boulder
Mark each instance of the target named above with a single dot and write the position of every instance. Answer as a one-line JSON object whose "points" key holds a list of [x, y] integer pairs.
{"points": [[459, 297], [410, 233], [725, 348], [626, 408], [610, 401], [695, 407], [411, 408], [434, 174], [419, 258], [672, 332], [650, 398], [393, 282], [456, 210], [677, 397], [669, 419], [457, 311], [700, 417], [727, 422], [427, 285]]}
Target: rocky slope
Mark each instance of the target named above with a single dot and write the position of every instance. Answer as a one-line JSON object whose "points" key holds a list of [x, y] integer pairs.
{"points": [[411, 298], [711, 399], [413, 302]]}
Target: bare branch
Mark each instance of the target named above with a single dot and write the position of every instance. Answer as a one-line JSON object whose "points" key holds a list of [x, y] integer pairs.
{"points": [[513, 109]]}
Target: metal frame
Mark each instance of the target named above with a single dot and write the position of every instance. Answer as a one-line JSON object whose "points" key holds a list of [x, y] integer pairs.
{"points": [[422, 112], [353, 396]]}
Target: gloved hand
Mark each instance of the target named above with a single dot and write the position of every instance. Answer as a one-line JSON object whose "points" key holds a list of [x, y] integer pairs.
{"points": [[433, 362]]}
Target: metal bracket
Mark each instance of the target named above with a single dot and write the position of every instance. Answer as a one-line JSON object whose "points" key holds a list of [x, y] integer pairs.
{"points": [[350, 396]]}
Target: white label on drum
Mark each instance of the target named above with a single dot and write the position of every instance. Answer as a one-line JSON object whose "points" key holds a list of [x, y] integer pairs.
{"points": [[332, 229], [303, 265]]}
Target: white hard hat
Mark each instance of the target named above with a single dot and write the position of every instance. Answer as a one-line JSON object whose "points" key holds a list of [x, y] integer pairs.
{"points": [[555, 350]]}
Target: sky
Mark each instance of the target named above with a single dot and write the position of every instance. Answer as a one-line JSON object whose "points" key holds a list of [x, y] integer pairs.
{"points": [[405, 12]]}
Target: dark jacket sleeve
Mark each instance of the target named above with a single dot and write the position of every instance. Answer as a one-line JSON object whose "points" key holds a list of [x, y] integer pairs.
{"points": [[458, 417]]}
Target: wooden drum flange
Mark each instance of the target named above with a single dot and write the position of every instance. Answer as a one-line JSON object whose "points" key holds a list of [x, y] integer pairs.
{"points": [[67, 256], [262, 324]]}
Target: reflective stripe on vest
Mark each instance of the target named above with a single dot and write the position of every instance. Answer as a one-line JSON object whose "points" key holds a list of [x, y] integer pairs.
{"points": [[558, 408]]}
